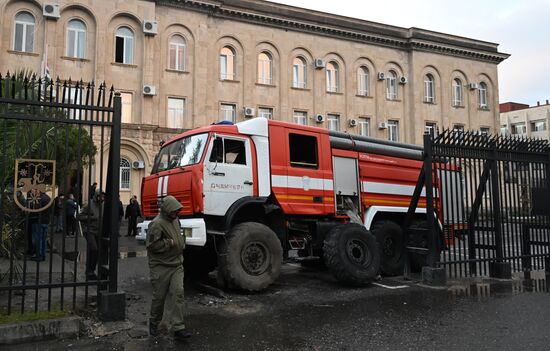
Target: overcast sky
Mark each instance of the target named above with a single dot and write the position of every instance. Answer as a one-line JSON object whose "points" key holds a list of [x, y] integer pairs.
{"points": [[521, 27]]}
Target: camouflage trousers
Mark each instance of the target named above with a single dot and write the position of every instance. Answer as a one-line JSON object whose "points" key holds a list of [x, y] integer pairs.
{"points": [[166, 280]]}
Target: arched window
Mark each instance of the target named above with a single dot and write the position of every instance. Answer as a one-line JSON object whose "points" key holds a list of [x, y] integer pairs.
{"points": [[362, 81], [227, 63], [457, 92], [124, 42], [177, 53], [23, 33], [299, 73], [265, 68], [124, 174], [76, 39], [482, 95], [429, 89], [333, 77], [391, 86]]}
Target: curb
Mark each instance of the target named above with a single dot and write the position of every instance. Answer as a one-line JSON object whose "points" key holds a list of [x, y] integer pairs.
{"points": [[40, 330]]}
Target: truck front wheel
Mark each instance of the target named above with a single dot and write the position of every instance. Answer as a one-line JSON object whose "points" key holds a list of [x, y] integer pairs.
{"points": [[251, 258], [351, 253]]}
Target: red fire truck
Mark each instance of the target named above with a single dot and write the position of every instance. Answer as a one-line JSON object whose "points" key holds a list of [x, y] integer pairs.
{"points": [[255, 190]]}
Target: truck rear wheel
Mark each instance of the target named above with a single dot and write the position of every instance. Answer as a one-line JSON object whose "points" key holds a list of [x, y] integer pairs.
{"points": [[420, 240], [390, 238], [252, 257], [199, 261], [351, 253]]}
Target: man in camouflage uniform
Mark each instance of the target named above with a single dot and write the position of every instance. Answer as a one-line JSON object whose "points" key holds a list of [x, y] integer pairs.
{"points": [[165, 245]]}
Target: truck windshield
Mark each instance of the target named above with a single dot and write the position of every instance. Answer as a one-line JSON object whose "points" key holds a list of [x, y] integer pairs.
{"points": [[183, 152]]}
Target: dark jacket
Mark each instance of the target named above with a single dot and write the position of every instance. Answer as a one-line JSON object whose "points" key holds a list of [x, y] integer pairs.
{"points": [[133, 210], [160, 233], [42, 217], [89, 216], [71, 208]]}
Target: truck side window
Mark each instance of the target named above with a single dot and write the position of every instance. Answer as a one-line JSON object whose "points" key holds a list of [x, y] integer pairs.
{"points": [[303, 151], [217, 151], [228, 151]]}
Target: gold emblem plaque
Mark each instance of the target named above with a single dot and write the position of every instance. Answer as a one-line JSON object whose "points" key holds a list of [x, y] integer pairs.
{"points": [[34, 182]]}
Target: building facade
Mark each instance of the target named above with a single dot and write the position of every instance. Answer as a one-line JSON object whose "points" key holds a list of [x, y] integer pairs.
{"points": [[180, 64], [522, 120]]}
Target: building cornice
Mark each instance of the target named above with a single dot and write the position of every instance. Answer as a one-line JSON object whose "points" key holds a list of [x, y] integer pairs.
{"points": [[329, 25]]}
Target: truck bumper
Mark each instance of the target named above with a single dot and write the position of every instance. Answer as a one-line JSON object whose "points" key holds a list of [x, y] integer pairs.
{"points": [[194, 230]]}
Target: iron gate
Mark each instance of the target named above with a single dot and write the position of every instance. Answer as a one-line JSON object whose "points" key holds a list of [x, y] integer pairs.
{"points": [[53, 140], [490, 195]]}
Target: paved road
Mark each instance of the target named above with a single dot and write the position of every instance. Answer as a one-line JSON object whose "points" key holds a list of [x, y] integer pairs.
{"points": [[308, 310]]}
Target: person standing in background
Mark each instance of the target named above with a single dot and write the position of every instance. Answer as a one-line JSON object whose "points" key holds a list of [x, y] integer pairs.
{"points": [[58, 212], [132, 213], [70, 215]]}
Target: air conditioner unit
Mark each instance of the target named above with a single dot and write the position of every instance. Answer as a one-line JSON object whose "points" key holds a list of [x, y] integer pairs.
{"points": [[150, 27], [50, 10], [472, 86], [381, 75], [149, 90], [382, 125], [320, 63], [138, 165], [402, 80], [352, 122], [249, 112], [319, 118]]}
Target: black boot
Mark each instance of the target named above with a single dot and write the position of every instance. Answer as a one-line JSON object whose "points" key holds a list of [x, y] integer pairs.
{"points": [[182, 334], [153, 328]]}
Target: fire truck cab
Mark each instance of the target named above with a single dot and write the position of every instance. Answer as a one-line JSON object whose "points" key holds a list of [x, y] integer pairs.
{"points": [[255, 190]]}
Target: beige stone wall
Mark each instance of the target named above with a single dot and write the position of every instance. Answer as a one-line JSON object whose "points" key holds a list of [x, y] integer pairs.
{"points": [[200, 85]]}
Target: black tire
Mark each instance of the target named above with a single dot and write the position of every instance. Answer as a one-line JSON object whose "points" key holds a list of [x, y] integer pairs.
{"points": [[251, 258], [199, 261], [419, 260], [390, 238], [352, 254]]}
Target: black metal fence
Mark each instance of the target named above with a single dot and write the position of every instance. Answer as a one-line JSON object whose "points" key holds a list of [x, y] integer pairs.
{"points": [[54, 136], [491, 196]]}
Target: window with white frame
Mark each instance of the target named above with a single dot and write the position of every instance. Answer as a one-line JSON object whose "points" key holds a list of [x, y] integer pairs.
{"points": [[299, 73], [76, 39], [333, 122], [391, 86], [484, 130], [431, 129], [482, 95], [538, 126], [228, 112], [458, 127], [23, 34], [176, 113], [227, 63], [124, 46], [265, 68], [265, 112], [300, 117], [363, 81], [429, 89], [364, 126], [519, 129], [72, 95], [126, 107], [333, 77], [457, 92], [124, 174], [177, 53], [393, 130]]}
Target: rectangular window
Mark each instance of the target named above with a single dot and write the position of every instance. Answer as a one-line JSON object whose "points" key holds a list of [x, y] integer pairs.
{"points": [[303, 151], [393, 130], [24, 37], [431, 129], [364, 126], [300, 117], [228, 151], [457, 95], [538, 126], [333, 122], [391, 88], [126, 112], [176, 113], [265, 112], [228, 112], [74, 96], [429, 91], [484, 130], [519, 129]]}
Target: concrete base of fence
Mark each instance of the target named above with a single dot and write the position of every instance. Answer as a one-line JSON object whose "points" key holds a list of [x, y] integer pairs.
{"points": [[501, 270], [112, 306], [434, 276], [68, 327]]}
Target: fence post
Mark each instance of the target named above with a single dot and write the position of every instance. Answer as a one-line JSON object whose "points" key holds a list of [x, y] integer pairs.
{"points": [[499, 268], [431, 275], [112, 304]]}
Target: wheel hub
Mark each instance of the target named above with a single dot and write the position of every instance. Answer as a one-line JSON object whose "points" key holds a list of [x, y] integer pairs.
{"points": [[358, 252], [255, 258], [389, 247]]}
